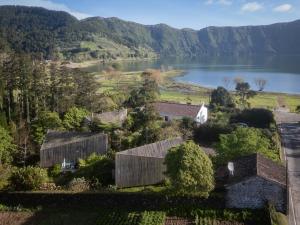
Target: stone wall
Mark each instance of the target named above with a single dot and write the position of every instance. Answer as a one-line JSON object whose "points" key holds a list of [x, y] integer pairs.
{"points": [[256, 192]]}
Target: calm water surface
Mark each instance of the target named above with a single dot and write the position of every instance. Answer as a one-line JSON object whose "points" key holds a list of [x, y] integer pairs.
{"points": [[282, 73]]}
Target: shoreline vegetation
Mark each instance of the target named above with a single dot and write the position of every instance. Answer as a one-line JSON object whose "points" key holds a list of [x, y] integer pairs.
{"points": [[182, 92]]}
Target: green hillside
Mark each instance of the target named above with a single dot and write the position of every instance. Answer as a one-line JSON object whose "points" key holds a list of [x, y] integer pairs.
{"points": [[58, 34]]}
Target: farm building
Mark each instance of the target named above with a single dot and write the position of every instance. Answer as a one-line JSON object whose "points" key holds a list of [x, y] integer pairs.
{"points": [[115, 117], [67, 147], [255, 181], [170, 111], [143, 165]]}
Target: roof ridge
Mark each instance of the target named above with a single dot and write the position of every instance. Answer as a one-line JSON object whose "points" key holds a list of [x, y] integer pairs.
{"points": [[176, 103]]}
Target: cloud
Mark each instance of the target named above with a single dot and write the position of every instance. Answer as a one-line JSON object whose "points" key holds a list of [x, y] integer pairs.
{"points": [[283, 8], [225, 2], [252, 7], [221, 2], [46, 4]]}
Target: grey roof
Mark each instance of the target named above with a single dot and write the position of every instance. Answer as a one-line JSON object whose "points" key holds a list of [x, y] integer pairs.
{"points": [[157, 149], [118, 116], [59, 138], [177, 109]]}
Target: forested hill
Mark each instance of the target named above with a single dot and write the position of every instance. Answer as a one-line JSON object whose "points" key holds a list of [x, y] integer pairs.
{"points": [[59, 34]]}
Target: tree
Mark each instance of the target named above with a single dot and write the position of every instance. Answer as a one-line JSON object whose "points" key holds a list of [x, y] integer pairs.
{"points": [[226, 81], [221, 97], [74, 117], [260, 83], [146, 94], [7, 148], [45, 120], [189, 170], [244, 92], [242, 142]]}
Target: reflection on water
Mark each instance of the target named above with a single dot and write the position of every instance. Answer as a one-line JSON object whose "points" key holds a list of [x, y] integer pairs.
{"points": [[281, 72]]}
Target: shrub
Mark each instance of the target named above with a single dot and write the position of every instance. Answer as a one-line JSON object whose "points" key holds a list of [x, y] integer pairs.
{"points": [[259, 118], [190, 170], [97, 169], [28, 178], [242, 142], [79, 184], [55, 171], [209, 133]]}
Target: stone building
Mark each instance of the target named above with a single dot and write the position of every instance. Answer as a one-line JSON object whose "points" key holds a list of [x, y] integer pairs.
{"points": [[170, 111], [254, 182], [66, 148]]}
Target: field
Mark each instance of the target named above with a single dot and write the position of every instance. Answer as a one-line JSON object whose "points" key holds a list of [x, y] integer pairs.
{"points": [[183, 92]]}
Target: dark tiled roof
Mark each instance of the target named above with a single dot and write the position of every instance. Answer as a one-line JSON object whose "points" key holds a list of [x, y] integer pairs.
{"points": [[175, 109], [59, 138], [253, 165]]}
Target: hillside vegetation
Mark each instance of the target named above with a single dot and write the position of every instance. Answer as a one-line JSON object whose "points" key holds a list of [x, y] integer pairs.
{"points": [[58, 34]]}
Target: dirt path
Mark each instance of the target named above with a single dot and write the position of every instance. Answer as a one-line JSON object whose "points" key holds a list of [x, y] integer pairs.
{"points": [[281, 102]]}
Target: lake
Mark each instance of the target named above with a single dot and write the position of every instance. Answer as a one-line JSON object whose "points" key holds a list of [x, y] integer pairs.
{"points": [[282, 73]]}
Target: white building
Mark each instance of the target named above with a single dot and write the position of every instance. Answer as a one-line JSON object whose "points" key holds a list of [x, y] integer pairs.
{"points": [[170, 111]]}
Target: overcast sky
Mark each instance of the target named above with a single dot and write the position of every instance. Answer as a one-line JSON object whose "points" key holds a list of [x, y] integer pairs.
{"points": [[194, 14]]}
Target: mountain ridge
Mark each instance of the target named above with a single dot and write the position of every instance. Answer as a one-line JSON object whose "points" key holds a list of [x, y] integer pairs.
{"points": [[38, 30]]}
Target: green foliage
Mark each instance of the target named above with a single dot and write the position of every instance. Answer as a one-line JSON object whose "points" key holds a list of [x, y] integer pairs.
{"points": [[7, 148], [27, 178], [144, 95], [221, 97], [259, 118], [153, 218], [242, 142], [190, 170], [277, 218], [74, 117], [244, 92], [209, 132], [298, 109], [46, 120], [55, 171], [119, 218], [97, 169]]}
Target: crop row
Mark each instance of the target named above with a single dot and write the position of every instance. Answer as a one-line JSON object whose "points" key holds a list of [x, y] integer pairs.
{"points": [[131, 218]]}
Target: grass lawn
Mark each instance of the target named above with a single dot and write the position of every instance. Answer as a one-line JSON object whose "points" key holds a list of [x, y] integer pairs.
{"points": [[173, 91]]}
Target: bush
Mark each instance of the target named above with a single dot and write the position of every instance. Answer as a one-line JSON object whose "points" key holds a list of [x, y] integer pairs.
{"points": [[209, 133], [79, 184], [55, 171], [97, 169], [242, 142], [190, 170], [28, 178], [73, 119], [259, 118]]}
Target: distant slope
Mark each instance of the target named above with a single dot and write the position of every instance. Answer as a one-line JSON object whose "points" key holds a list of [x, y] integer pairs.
{"points": [[32, 29]]}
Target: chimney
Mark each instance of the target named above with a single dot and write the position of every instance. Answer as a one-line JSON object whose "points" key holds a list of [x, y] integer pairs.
{"points": [[230, 167]]}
